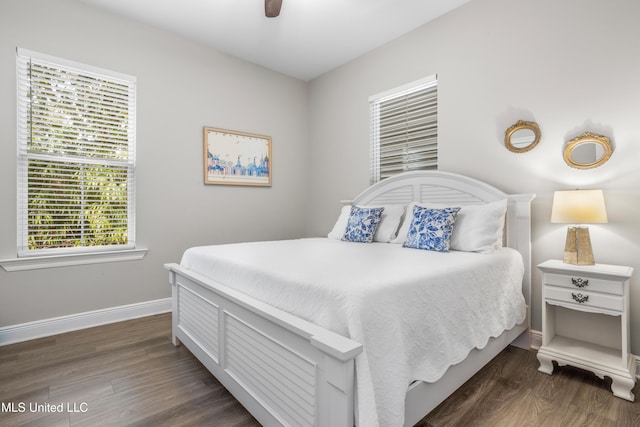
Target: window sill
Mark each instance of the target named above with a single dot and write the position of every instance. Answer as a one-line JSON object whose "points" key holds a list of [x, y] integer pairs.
{"points": [[37, 262]]}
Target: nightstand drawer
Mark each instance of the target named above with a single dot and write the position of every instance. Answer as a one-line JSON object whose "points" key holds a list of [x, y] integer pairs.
{"points": [[585, 299], [582, 283]]}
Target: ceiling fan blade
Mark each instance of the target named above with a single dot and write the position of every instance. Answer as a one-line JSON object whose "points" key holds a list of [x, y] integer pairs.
{"points": [[272, 8]]}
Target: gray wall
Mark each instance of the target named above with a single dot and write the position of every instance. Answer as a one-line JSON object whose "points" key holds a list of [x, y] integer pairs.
{"points": [[182, 87], [571, 66]]}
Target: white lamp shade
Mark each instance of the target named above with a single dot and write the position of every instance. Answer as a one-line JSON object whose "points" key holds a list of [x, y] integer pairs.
{"points": [[579, 207]]}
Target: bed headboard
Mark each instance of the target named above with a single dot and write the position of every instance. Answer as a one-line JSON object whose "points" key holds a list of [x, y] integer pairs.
{"points": [[455, 189]]}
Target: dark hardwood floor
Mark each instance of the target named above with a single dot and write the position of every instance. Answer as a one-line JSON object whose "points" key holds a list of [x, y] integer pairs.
{"points": [[129, 374], [509, 391], [123, 374]]}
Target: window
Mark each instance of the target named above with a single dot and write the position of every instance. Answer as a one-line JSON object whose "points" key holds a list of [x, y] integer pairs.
{"points": [[76, 157], [404, 129]]}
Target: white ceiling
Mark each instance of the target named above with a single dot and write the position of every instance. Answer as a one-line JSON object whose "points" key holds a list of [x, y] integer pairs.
{"points": [[309, 37]]}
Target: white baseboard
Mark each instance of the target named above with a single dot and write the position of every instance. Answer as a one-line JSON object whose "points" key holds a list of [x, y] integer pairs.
{"points": [[57, 325], [535, 339]]}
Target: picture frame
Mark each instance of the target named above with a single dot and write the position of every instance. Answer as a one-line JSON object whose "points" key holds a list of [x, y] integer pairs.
{"points": [[236, 158]]}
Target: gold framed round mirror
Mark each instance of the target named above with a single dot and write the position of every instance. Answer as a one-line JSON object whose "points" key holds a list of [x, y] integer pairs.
{"points": [[587, 151], [522, 136]]}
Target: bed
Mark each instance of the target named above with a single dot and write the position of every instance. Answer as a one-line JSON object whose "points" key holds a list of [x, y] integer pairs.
{"points": [[298, 360]]}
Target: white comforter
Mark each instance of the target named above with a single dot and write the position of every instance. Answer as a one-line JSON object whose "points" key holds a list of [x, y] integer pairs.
{"points": [[415, 312]]}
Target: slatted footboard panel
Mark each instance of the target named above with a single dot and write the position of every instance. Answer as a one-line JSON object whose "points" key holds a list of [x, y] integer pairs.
{"points": [[199, 320], [284, 370], [283, 380]]}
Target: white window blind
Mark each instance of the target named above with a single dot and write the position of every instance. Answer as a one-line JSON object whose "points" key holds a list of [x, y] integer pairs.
{"points": [[404, 129], [76, 157]]}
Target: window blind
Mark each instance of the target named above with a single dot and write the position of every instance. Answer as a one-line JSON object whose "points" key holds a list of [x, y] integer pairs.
{"points": [[404, 129], [76, 156]]}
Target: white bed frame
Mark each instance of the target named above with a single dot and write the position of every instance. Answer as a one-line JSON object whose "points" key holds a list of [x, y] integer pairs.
{"points": [[287, 371]]}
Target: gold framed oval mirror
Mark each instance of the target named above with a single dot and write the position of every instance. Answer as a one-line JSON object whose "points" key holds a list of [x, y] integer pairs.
{"points": [[587, 151], [522, 136]]}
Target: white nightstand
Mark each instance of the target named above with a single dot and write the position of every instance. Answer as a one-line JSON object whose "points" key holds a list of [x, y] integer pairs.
{"points": [[585, 321]]}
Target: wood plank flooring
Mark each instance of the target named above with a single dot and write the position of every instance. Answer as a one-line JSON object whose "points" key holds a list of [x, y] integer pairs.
{"points": [[123, 374], [129, 374], [509, 391]]}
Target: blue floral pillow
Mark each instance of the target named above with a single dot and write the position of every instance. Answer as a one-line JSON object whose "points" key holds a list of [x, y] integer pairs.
{"points": [[431, 228], [362, 224]]}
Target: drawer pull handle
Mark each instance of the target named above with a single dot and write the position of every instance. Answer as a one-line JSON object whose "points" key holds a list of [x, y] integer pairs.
{"points": [[580, 283], [579, 298]]}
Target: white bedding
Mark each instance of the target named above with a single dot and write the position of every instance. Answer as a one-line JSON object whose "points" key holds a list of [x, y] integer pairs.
{"points": [[415, 312]]}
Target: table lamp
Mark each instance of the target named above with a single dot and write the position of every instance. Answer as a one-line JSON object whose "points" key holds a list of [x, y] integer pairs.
{"points": [[578, 207]]}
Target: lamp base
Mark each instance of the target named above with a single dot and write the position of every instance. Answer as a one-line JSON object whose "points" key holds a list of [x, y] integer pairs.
{"points": [[577, 249]]}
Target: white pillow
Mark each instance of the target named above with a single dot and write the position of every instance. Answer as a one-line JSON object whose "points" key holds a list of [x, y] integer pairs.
{"points": [[387, 228], [401, 237], [478, 228]]}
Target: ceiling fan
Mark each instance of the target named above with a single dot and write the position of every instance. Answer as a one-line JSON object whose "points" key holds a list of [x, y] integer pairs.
{"points": [[272, 8]]}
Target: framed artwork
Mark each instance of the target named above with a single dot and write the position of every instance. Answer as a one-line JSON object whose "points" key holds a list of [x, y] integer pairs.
{"points": [[236, 158]]}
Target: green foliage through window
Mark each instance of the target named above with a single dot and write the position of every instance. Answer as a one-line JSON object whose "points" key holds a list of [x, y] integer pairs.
{"points": [[74, 205]]}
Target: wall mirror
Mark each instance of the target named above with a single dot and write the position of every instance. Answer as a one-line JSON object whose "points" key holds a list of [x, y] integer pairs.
{"points": [[587, 151], [522, 136]]}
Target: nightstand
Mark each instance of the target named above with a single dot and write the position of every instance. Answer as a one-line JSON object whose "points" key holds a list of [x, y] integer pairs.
{"points": [[585, 321]]}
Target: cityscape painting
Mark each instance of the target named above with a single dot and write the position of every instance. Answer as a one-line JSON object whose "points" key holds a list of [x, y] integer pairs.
{"points": [[236, 158]]}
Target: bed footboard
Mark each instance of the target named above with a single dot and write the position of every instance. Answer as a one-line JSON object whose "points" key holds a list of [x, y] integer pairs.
{"points": [[284, 370]]}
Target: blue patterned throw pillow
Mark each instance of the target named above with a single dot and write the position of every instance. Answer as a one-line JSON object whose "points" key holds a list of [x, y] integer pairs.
{"points": [[362, 224], [431, 228]]}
